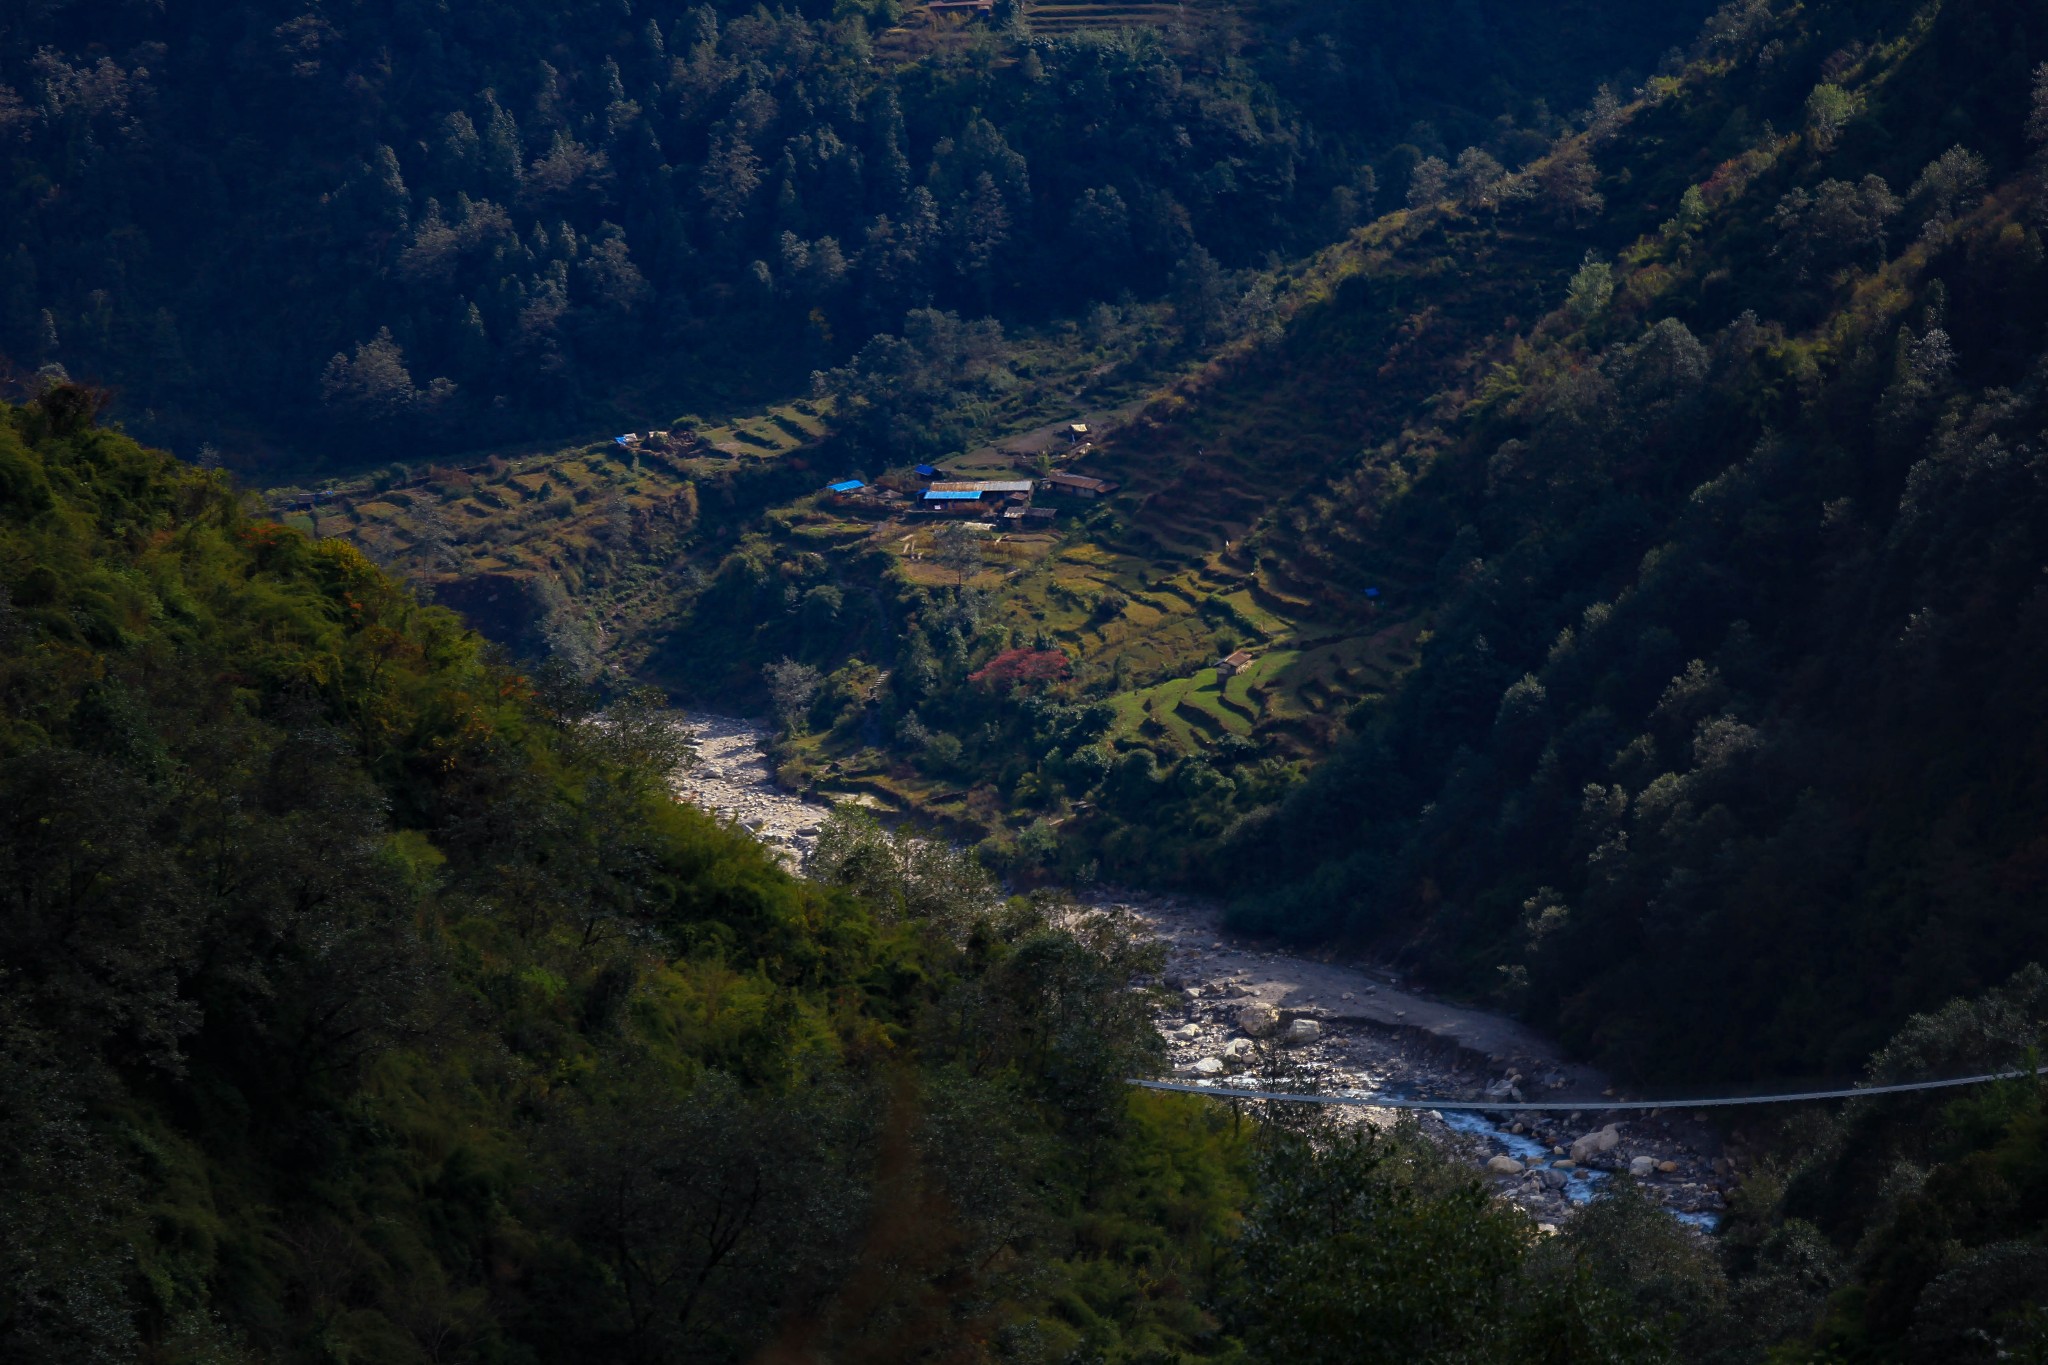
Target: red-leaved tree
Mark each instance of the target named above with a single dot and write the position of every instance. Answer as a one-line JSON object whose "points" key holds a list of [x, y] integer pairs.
{"points": [[1022, 668]]}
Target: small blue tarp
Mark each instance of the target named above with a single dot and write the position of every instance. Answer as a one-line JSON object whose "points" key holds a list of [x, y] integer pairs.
{"points": [[845, 486], [951, 495], [925, 471], [1372, 592], [620, 440]]}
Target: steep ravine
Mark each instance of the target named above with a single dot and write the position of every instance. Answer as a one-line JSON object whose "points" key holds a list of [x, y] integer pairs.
{"points": [[1247, 1012]]}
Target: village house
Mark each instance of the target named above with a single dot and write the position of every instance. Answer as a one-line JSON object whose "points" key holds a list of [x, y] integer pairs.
{"points": [[956, 498], [1238, 662], [1078, 485]]}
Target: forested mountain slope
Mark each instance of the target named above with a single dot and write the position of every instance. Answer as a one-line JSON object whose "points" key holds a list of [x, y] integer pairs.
{"points": [[365, 1001], [293, 230], [1724, 752]]}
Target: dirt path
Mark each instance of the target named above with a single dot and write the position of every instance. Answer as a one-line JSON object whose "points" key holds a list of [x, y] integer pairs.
{"points": [[1347, 1026]]}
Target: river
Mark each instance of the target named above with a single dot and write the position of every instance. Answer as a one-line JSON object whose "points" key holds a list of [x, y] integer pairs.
{"points": [[1349, 1027]]}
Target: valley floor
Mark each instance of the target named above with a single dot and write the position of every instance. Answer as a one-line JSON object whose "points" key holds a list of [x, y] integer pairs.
{"points": [[1368, 1033]]}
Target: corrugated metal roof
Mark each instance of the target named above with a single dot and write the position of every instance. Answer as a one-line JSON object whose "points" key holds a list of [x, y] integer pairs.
{"points": [[949, 495], [845, 486], [984, 486], [1081, 481]]}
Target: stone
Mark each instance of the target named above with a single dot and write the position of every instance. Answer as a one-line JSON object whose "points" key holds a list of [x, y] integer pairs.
{"points": [[1258, 1019], [1190, 1031], [1667, 1167], [1642, 1166], [1209, 1066], [1240, 1051], [1505, 1165], [1553, 1179], [1302, 1031], [1593, 1144], [1566, 1165]]}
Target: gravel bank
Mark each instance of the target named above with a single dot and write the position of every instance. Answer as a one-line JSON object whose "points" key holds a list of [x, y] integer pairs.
{"points": [[1243, 1010]]}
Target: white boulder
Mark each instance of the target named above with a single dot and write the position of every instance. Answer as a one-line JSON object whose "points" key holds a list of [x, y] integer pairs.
{"points": [[1593, 1144], [1258, 1019]]}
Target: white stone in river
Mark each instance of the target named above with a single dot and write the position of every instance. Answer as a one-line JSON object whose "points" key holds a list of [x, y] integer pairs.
{"points": [[1592, 1144], [1303, 1031], [1209, 1066], [1505, 1165], [1258, 1019], [1642, 1166]]}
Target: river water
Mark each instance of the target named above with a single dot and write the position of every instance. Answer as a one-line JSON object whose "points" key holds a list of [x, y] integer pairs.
{"points": [[1372, 1032]]}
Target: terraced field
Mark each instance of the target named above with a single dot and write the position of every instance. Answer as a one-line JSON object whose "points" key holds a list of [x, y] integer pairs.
{"points": [[1221, 535], [1224, 535], [765, 435]]}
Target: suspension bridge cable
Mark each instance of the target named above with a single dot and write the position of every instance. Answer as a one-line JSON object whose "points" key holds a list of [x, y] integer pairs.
{"points": [[1599, 1104]]}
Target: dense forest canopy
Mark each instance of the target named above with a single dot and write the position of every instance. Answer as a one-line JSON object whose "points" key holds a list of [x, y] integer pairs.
{"points": [[362, 229], [1573, 527], [1723, 754]]}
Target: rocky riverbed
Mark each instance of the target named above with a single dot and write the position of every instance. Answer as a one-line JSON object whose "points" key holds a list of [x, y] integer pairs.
{"points": [[1243, 1012], [1247, 1012], [732, 778]]}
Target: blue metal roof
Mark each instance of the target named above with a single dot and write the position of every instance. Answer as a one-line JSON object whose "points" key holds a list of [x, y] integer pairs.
{"points": [[950, 495], [845, 486], [925, 471], [621, 440]]}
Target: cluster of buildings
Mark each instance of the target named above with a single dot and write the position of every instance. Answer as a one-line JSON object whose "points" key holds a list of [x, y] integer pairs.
{"points": [[1004, 503], [658, 440]]}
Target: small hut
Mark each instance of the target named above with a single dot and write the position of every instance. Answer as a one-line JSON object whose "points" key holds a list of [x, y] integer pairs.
{"points": [[1226, 669]]}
